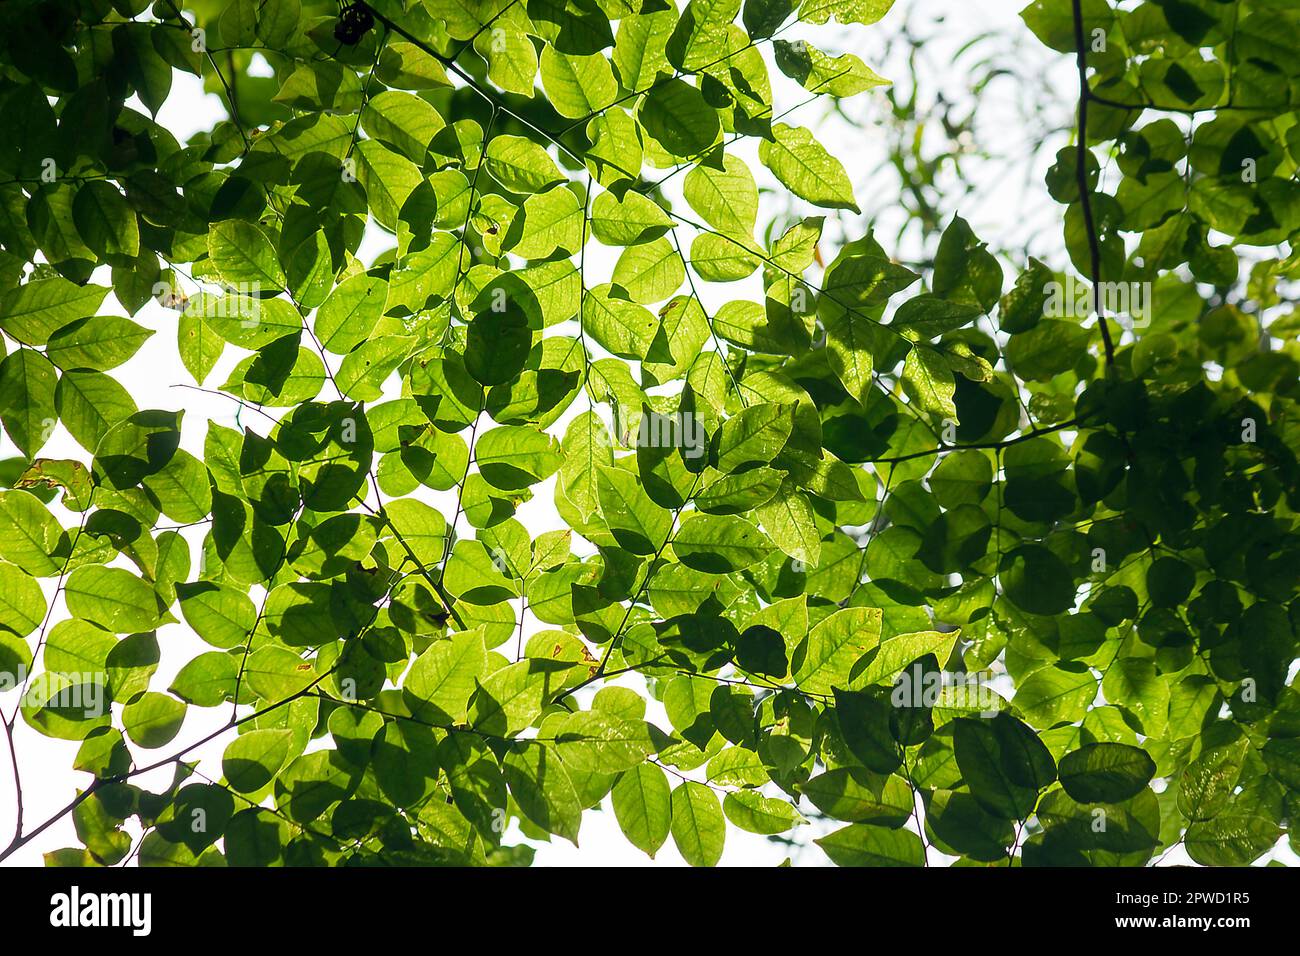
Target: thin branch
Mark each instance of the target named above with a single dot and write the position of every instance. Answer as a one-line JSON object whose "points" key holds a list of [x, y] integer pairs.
{"points": [[1081, 174]]}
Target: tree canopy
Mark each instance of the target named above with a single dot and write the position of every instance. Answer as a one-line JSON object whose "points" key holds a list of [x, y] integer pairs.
{"points": [[981, 558]]}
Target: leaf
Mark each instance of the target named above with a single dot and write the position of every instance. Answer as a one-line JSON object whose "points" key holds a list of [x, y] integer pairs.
{"points": [[276, 673], [1232, 838], [28, 399], [1037, 580], [676, 117], [847, 793], [405, 122], [443, 678], [153, 720], [521, 165], [22, 605], [1003, 763], [99, 342], [1106, 772], [902, 649], [590, 741], [755, 436], [510, 699], [511, 457], [388, 179], [245, 258], [363, 371], [861, 845], [637, 523], [578, 86], [112, 597], [928, 380], [628, 220], [350, 313], [718, 544], [698, 827], [252, 759], [751, 811], [643, 807], [618, 325], [542, 788], [33, 311], [789, 520], [220, 614], [1207, 783], [727, 198], [207, 680], [1055, 694], [104, 220], [839, 76], [649, 272], [805, 168], [826, 658]]}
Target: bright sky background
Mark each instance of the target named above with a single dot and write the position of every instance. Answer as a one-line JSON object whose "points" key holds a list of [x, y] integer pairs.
{"points": [[1009, 207]]}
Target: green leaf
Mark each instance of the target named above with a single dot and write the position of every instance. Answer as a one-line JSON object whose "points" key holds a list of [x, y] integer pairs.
{"points": [[628, 220], [1106, 772], [521, 165], [643, 807], [805, 168], [28, 399], [928, 380], [153, 720], [252, 759], [276, 673], [751, 811], [1055, 694], [755, 436], [649, 272], [114, 598], [222, 615], [244, 256], [207, 680], [388, 179], [99, 342], [818, 73], [848, 793], [1207, 783], [825, 660], [512, 457], [719, 544], [104, 220], [862, 845], [1037, 580], [1003, 763], [637, 523], [677, 119], [443, 678], [578, 86], [22, 605], [698, 827], [542, 788], [350, 314], [33, 311], [590, 741], [1234, 837], [727, 198]]}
